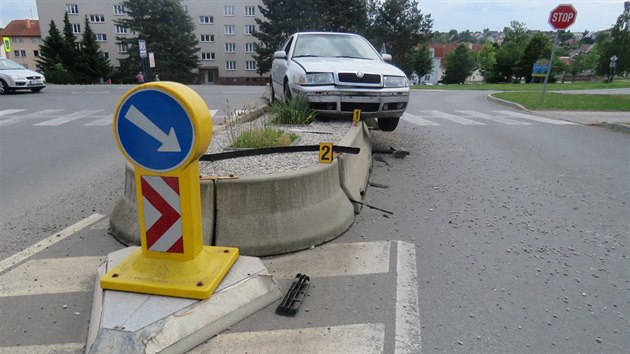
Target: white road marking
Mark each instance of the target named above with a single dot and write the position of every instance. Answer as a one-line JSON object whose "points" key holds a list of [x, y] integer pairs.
{"points": [[451, 117], [49, 241], [103, 120], [47, 113], [213, 112], [502, 120], [535, 118], [7, 112], [356, 338], [407, 336], [341, 259], [101, 225], [68, 118], [50, 276], [45, 349], [417, 120]]}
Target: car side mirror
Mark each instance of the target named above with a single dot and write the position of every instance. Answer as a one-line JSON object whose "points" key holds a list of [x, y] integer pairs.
{"points": [[281, 54], [386, 57]]}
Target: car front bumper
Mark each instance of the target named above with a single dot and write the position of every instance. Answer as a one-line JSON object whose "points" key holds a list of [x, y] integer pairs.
{"points": [[27, 84], [373, 103]]}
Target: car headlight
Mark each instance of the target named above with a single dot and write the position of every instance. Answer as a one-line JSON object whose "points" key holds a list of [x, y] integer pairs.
{"points": [[316, 79], [18, 77], [396, 81]]}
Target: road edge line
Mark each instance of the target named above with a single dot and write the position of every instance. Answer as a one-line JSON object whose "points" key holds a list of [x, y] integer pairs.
{"points": [[407, 301], [49, 241]]}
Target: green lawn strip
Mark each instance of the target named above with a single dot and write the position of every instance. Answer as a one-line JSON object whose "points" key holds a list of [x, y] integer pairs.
{"points": [[568, 102], [532, 87]]}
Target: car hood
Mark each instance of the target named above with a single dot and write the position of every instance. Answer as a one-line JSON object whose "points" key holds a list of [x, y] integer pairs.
{"points": [[320, 65], [21, 72]]}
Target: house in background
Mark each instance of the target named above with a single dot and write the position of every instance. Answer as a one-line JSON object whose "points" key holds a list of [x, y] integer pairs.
{"points": [[24, 38], [439, 53]]}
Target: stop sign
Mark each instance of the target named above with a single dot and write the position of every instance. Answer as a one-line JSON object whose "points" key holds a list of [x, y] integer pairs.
{"points": [[562, 16]]}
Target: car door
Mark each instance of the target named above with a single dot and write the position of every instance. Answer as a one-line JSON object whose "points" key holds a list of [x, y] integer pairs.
{"points": [[280, 67]]}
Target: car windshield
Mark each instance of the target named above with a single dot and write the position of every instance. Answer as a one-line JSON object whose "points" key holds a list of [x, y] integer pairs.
{"points": [[334, 45], [6, 64]]}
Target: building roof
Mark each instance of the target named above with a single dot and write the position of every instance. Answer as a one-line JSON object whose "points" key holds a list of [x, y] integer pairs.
{"points": [[22, 28]]}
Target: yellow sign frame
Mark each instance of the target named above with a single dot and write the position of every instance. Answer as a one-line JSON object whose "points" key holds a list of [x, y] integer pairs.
{"points": [[198, 270]]}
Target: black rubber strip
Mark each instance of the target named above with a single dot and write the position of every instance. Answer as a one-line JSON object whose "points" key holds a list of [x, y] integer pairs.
{"points": [[274, 150]]}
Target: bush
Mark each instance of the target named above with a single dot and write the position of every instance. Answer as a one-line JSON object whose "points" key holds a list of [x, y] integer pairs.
{"points": [[263, 138], [295, 111]]}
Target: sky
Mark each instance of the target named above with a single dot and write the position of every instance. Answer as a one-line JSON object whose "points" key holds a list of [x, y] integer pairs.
{"points": [[461, 15]]}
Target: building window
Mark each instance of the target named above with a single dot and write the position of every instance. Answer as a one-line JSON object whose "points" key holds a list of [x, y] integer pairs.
{"points": [[16, 53], [36, 53], [230, 65], [250, 47], [122, 47], [228, 10], [250, 11], [119, 10], [249, 29], [205, 38], [121, 29], [205, 20], [101, 37], [76, 28], [250, 65], [97, 18], [106, 55], [72, 9], [229, 29], [230, 47], [207, 56]]}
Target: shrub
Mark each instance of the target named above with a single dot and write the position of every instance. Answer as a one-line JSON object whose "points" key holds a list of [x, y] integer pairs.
{"points": [[295, 111], [263, 138]]}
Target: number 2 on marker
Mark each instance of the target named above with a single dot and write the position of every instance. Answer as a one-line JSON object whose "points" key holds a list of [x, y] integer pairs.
{"points": [[325, 152]]}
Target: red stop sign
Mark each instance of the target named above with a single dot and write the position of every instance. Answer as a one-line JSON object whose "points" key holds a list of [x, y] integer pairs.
{"points": [[562, 16]]}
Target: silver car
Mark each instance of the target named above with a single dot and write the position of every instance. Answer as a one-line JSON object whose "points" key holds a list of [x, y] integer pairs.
{"points": [[14, 76], [338, 73]]}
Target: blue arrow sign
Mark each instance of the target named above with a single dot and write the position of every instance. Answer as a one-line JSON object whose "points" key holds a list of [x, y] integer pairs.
{"points": [[154, 130]]}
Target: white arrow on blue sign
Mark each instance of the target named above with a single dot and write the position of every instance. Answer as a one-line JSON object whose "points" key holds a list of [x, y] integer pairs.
{"points": [[154, 130]]}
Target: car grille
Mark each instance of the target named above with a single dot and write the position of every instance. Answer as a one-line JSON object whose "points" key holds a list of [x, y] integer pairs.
{"points": [[353, 78], [32, 77]]}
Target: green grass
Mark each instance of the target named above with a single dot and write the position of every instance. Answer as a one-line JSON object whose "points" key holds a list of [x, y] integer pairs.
{"points": [[532, 87], [263, 138], [568, 102], [296, 111]]}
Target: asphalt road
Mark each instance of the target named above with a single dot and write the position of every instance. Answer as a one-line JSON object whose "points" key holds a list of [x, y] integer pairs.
{"points": [[509, 233], [58, 159]]}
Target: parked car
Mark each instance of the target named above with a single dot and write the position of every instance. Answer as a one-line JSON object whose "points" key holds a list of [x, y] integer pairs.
{"points": [[338, 73], [14, 76]]}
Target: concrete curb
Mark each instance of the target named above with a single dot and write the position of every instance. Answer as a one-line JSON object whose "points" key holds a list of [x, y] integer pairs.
{"points": [[271, 214]]}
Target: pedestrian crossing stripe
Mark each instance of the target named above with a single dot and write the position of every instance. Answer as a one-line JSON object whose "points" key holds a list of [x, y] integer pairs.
{"points": [[432, 117], [54, 119]]}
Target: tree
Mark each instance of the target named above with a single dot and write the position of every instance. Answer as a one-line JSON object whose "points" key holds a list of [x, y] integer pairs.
{"points": [[69, 51], [487, 61], [538, 47], [50, 57], [421, 61], [169, 33], [459, 65], [517, 33], [507, 56], [92, 65], [620, 40], [401, 25]]}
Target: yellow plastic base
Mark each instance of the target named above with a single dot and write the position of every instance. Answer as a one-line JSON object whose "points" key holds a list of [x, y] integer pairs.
{"points": [[194, 279]]}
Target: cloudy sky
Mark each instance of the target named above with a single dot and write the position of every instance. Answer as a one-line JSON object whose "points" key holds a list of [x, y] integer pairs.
{"points": [[474, 15]]}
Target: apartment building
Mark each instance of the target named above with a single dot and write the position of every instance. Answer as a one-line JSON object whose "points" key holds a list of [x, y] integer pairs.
{"points": [[223, 29], [24, 39]]}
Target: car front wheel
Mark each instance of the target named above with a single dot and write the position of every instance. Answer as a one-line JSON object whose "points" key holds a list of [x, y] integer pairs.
{"points": [[4, 88], [388, 124], [287, 92]]}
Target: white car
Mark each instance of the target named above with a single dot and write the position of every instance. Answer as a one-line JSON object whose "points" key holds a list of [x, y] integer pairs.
{"points": [[338, 73], [14, 76]]}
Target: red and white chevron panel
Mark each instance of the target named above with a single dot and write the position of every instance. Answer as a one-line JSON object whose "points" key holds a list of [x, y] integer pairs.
{"points": [[162, 214]]}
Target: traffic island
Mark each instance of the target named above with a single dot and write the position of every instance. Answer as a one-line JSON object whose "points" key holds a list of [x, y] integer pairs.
{"points": [[276, 213]]}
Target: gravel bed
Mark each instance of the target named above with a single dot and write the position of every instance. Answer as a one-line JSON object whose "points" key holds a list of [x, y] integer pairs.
{"points": [[316, 132]]}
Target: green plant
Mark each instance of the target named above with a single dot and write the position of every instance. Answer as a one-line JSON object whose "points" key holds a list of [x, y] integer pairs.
{"points": [[295, 111], [262, 137]]}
